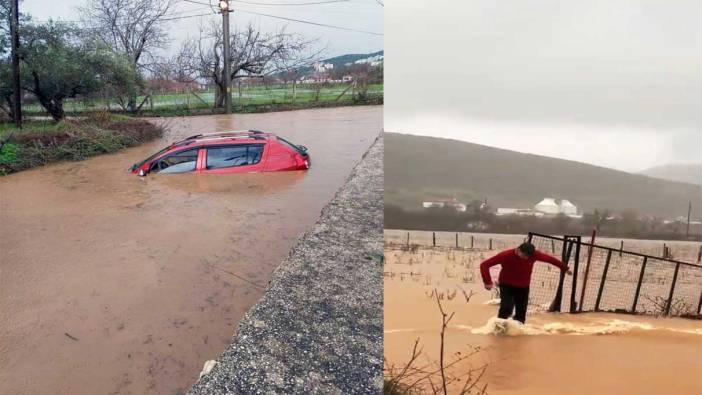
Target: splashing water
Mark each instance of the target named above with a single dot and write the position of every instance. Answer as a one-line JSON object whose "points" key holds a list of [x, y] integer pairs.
{"points": [[498, 326]]}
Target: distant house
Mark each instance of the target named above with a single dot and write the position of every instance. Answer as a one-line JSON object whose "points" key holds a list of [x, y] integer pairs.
{"points": [[433, 204], [547, 206], [316, 78], [567, 208], [523, 212], [322, 67], [460, 207], [373, 60]]}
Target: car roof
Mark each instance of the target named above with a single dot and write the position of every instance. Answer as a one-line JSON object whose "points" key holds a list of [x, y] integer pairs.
{"points": [[235, 136]]}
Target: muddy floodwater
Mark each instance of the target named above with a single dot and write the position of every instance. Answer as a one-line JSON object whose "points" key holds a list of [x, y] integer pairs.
{"points": [[554, 354], [115, 284]]}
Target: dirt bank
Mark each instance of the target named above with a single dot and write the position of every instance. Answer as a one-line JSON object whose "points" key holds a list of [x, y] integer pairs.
{"points": [[73, 140], [151, 275], [318, 328]]}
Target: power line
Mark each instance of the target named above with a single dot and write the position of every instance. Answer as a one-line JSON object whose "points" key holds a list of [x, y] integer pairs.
{"points": [[273, 4], [35, 21], [310, 22], [186, 16], [253, 13], [199, 2], [175, 15], [285, 4]]}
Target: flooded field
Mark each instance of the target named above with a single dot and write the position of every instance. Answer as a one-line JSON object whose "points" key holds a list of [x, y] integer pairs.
{"points": [[111, 283], [592, 353]]}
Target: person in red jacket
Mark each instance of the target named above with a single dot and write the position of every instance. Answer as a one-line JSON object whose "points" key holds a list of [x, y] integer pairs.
{"points": [[515, 277]]}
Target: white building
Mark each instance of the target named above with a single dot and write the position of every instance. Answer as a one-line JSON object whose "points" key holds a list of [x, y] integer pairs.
{"points": [[322, 67], [548, 206], [567, 208], [377, 59], [460, 207], [432, 204], [522, 212]]}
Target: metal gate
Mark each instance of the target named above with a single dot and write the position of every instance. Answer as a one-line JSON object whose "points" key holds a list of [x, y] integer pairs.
{"points": [[610, 279]]}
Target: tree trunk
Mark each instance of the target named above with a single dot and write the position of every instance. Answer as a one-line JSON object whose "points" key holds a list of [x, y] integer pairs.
{"points": [[56, 110], [131, 104], [219, 95], [11, 106], [53, 106]]}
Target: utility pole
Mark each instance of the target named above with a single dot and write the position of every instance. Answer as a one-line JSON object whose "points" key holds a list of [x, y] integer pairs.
{"points": [[224, 7], [14, 32], [689, 211]]}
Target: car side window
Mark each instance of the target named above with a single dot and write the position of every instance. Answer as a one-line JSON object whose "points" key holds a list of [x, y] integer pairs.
{"points": [[179, 162], [232, 156]]}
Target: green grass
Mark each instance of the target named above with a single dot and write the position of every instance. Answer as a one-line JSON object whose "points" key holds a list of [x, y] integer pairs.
{"points": [[29, 125], [40, 143], [9, 154], [250, 99]]}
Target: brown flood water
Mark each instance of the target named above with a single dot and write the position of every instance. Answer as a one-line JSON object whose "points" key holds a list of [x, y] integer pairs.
{"points": [[556, 354], [113, 284]]}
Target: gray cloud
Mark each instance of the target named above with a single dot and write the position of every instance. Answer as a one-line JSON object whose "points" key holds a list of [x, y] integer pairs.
{"points": [[627, 64], [358, 14]]}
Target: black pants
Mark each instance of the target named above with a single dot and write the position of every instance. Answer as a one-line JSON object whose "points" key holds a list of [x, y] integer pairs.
{"points": [[513, 298]]}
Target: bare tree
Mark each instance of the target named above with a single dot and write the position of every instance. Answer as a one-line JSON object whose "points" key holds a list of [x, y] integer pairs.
{"points": [[253, 53], [133, 27]]}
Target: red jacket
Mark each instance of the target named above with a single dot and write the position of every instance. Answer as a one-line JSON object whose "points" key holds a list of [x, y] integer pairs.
{"points": [[515, 270]]}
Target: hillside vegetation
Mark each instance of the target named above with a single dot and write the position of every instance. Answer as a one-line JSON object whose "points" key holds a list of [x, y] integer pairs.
{"points": [[419, 168]]}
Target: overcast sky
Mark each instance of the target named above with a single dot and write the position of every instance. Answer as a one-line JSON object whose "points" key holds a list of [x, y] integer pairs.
{"points": [[364, 15], [613, 83]]}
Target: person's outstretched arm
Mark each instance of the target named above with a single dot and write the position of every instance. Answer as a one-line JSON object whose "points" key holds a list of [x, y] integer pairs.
{"points": [[540, 256], [485, 268]]}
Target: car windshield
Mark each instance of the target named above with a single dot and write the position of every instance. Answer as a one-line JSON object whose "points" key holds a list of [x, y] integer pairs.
{"points": [[138, 164], [298, 149], [152, 157], [179, 162]]}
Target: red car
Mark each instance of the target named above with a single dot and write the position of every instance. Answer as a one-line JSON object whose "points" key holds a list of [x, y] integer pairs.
{"points": [[250, 151]]}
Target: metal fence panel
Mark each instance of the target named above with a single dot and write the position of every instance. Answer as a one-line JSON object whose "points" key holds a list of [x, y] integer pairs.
{"points": [[617, 281]]}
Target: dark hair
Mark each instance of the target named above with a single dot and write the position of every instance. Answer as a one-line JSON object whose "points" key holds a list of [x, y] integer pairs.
{"points": [[527, 248]]}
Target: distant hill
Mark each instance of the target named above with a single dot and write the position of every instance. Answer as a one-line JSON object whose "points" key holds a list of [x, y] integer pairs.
{"points": [[684, 173], [342, 60], [419, 168], [351, 58]]}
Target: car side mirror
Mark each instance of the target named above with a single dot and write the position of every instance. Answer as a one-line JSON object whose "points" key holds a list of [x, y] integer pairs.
{"points": [[142, 173]]}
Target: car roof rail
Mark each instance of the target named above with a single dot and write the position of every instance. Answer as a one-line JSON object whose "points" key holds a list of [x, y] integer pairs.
{"points": [[251, 132]]}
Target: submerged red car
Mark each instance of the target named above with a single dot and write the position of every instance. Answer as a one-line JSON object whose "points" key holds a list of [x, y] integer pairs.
{"points": [[249, 151]]}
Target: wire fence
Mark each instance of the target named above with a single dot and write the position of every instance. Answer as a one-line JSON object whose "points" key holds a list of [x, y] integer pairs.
{"points": [[611, 279], [243, 95], [454, 240]]}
